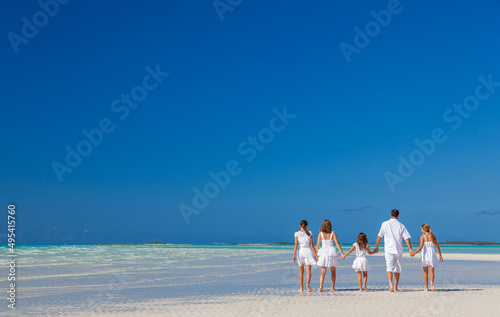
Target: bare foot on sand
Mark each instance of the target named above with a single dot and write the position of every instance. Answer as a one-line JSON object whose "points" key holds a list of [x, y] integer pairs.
{"points": [[308, 288]]}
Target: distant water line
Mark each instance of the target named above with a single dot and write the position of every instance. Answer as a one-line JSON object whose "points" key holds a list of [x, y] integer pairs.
{"points": [[55, 250]]}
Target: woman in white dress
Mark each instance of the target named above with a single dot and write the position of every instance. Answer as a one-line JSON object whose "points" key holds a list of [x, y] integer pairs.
{"points": [[360, 264], [327, 255], [429, 258], [306, 254]]}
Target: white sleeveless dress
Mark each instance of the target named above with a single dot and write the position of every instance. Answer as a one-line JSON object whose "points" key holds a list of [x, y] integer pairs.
{"points": [[361, 262], [327, 254], [304, 254], [429, 256]]}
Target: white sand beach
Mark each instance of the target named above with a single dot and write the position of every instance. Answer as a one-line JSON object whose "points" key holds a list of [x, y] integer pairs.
{"points": [[454, 300], [162, 281], [460, 301]]}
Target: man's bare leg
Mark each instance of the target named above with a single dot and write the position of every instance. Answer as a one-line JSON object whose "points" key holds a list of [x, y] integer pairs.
{"points": [[389, 277], [396, 281]]}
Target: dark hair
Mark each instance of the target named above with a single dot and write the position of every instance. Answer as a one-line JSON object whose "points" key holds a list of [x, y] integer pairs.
{"points": [[303, 225], [362, 241], [394, 213], [326, 226]]}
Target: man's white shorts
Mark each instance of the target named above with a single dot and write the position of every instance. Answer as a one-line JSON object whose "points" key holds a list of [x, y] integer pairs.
{"points": [[393, 262]]}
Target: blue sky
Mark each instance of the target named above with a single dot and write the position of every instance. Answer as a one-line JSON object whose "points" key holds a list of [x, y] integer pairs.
{"points": [[178, 88]]}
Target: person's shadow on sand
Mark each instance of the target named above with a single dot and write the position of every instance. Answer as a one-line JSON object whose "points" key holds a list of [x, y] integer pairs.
{"points": [[413, 290]]}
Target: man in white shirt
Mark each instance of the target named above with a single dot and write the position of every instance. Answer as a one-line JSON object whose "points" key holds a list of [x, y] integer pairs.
{"points": [[393, 232]]}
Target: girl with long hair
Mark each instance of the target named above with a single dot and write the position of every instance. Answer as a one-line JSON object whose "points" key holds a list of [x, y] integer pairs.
{"points": [[360, 264], [327, 255], [306, 254], [429, 258]]}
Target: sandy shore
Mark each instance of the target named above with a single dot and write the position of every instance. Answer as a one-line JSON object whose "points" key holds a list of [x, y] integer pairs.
{"points": [[451, 301]]}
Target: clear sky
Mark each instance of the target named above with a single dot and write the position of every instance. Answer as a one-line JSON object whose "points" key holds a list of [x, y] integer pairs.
{"points": [[117, 117]]}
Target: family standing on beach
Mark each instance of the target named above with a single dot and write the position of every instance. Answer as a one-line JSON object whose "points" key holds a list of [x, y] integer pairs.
{"points": [[393, 233]]}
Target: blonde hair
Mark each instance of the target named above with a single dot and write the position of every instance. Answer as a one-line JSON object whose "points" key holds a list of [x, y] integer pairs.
{"points": [[326, 227], [427, 228]]}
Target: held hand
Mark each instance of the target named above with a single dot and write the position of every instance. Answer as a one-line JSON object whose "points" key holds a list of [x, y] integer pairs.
{"points": [[317, 259], [342, 256], [376, 249], [412, 254]]}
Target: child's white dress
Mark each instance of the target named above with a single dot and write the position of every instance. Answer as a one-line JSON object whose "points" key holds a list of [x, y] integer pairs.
{"points": [[304, 255], [327, 254], [429, 257], [361, 262]]}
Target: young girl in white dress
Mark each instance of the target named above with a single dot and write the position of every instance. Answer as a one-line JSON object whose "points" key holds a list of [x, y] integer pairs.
{"points": [[360, 264], [306, 255], [429, 258], [327, 255]]}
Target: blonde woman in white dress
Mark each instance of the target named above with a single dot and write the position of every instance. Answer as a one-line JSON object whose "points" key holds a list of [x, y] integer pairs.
{"points": [[429, 258], [327, 255], [360, 264], [306, 254]]}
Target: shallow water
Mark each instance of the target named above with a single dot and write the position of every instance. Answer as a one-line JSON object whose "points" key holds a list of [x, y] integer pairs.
{"points": [[86, 275]]}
